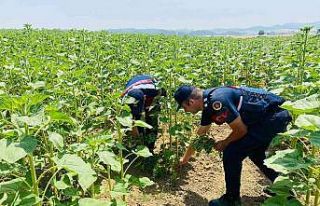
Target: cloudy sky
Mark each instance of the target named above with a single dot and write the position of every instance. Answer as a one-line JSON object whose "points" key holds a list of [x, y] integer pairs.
{"points": [[164, 14]]}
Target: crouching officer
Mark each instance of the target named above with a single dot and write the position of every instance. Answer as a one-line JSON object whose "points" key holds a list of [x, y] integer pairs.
{"points": [[253, 115], [143, 88]]}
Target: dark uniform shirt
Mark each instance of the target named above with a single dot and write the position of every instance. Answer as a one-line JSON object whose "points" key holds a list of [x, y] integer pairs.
{"points": [[225, 104], [143, 89]]}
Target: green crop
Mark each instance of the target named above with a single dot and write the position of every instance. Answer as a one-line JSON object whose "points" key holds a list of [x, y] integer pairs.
{"points": [[203, 143], [63, 128]]}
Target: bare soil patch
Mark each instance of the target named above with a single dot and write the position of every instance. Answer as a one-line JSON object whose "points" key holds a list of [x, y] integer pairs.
{"points": [[200, 181]]}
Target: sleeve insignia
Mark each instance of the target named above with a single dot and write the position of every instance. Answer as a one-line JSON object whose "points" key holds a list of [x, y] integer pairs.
{"points": [[217, 105]]}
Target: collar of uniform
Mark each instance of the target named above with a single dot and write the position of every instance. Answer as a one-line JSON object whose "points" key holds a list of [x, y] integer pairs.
{"points": [[206, 98]]}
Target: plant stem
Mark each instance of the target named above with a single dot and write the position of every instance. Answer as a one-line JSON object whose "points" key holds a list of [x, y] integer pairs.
{"points": [[309, 191], [109, 177], [45, 172], [120, 155], [33, 176], [47, 186], [131, 164], [317, 192]]}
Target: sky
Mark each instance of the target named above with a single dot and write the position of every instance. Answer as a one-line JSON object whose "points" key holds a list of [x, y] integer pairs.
{"points": [[160, 14]]}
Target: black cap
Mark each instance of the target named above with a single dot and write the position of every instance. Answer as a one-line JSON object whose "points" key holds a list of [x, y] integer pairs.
{"points": [[182, 94]]}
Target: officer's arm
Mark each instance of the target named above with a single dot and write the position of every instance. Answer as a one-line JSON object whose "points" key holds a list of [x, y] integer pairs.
{"points": [[135, 132], [190, 151], [203, 130], [239, 130], [136, 114]]}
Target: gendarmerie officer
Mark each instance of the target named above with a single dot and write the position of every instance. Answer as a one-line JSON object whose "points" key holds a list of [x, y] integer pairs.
{"points": [[253, 115]]}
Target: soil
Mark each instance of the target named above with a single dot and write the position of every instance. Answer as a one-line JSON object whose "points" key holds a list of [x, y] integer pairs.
{"points": [[201, 180]]}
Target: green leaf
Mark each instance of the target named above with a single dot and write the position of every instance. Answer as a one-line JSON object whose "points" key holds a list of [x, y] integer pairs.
{"points": [[120, 146], [77, 147], [28, 200], [135, 62], [87, 179], [13, 103], [7, 103], [37, 84], [139, 123], [203, 142], [281, 201], [118, 202], [8, 168], [277, 91], [5, 168], [64, 182], [145, 182], [60, 117], [14, 185], [33, 99], [119, 189], [93, 202], [75, 164], [286, 161], [129, 100], [28, 143], [142, 151], [99, 110], [293, 132], [34, 120], [61, 185], [183, 80], [125, 121], [308, 122], [56, 139], [3, 199], [315, 139], [306, 105], [14, 151], [109, 158], [282, 186]]}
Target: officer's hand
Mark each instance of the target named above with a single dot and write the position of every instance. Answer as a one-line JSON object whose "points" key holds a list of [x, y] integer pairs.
{"points": [[179, 165], [221, 145], [182, 161]]}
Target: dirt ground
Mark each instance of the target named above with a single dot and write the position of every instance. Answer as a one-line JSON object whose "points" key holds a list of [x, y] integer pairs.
{"points": [[201, 180]]}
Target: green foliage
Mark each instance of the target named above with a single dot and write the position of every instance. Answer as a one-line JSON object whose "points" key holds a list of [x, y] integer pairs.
{"points": [[142, 151], [76, 165], [110, 158], [203, 143], [63, 122], [286, 161], [93, 202], [11, 152]]}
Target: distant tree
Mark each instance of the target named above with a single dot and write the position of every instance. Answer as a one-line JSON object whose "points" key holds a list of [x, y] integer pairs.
{"points": [[318, 31], [261, 32], [27, 28]]}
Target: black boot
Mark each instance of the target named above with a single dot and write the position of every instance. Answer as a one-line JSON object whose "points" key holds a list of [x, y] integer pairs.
{"points": [[226, 200]]}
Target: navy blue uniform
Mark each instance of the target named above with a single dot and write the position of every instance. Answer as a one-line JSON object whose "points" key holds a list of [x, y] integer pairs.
{"points": [[260, 112], [144, 89]]}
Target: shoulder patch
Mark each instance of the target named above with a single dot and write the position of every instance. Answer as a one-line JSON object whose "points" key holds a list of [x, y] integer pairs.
{"points": [[217, 105]]}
